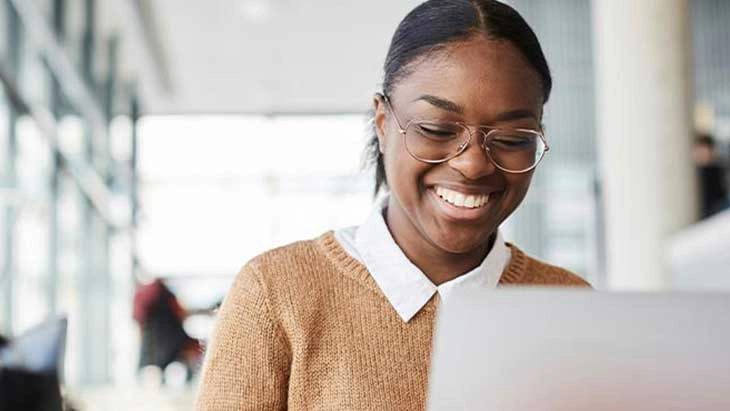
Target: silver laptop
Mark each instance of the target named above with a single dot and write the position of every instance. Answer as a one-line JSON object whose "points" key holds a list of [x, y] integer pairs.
{"points": [[529, 349]]}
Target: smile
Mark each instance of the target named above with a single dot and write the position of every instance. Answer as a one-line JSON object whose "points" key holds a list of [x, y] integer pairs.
{"points": [[463, 200]]}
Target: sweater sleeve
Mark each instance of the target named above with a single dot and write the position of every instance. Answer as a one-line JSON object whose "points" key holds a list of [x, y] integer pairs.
{"points": [[247, 362]]}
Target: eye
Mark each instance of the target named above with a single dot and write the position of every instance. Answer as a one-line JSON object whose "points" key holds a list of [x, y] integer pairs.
{"points": [[437, 131], [513, 141], [432, 130]]}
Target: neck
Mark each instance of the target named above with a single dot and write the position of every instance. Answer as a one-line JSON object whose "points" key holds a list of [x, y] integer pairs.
{"points": [[436, 263]]}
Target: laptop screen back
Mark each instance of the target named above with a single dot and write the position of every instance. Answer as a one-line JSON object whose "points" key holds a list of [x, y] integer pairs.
{"points": [[535, 350]]}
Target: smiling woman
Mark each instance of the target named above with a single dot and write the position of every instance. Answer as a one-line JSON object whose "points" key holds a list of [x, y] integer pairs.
{"points": [[478, 80], [345, 321]]}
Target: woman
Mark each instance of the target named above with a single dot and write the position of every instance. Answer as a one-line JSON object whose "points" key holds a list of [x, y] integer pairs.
{"points": [[344, 322]]}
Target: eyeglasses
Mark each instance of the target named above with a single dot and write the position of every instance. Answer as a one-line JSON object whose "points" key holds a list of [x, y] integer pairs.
{"points": [[512, 150]]}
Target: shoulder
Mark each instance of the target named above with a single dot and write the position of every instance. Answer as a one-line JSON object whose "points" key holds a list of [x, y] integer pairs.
{"points": [[285, 257], [292, 273], [526, 270], [282, 265]]}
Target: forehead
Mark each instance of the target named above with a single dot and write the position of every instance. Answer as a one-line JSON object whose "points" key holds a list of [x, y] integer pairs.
{"points": [[484, 76]]}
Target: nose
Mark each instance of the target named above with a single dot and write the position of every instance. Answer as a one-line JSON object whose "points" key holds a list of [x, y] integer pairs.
{"points": [[473, 163]]}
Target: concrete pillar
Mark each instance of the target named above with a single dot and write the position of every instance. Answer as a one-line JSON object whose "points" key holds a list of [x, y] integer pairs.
{"points": [[642, 61]]}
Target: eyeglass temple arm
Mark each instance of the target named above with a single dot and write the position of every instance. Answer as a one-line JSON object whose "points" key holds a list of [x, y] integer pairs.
{"points": [[386, 99]]}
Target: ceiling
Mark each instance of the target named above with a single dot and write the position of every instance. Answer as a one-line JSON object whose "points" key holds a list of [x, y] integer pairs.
{"points": [[271, 56]]}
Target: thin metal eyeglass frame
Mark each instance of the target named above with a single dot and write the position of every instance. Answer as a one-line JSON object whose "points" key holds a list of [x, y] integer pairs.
{"points": [[402, 131]]}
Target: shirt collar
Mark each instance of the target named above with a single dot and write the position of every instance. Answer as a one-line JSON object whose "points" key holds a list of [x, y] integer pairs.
{"points": [[404, 285]]}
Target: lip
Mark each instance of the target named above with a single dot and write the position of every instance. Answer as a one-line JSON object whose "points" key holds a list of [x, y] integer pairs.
{"points": [[461, 214]]}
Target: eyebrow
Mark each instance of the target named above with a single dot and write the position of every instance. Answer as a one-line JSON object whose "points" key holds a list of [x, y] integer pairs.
{"points": [[516, 115], [456, 108], [441, 103]]}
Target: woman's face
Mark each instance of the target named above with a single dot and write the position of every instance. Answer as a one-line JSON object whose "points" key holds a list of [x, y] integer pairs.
{"points": [[477, 82]]}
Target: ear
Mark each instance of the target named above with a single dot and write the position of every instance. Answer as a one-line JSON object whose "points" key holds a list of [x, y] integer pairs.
{"points": [[380, 120]]}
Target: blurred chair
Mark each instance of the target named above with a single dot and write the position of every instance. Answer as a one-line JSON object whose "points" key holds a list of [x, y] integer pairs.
{"points": [[30, 366]]}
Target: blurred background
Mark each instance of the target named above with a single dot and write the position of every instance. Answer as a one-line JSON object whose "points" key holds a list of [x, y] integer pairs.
{"points": [[149, 148]]}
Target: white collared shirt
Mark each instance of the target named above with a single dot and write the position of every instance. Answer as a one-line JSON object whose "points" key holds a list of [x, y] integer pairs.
{"points": [[405, 286]]}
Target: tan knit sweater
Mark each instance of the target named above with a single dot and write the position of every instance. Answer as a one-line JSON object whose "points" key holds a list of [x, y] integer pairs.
{"points": [[305, 327]]}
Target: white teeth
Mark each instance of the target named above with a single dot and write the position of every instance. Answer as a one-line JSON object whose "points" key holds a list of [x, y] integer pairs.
{"points": [[460, 199], [450, 196]]}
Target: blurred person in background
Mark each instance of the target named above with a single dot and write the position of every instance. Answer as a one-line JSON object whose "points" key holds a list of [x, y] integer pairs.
{"points": [[164, 340], [712, 172], [345, 321]]}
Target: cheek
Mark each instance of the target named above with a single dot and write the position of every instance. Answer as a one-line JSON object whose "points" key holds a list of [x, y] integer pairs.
{"points": [[403, 171], [406, 181], [517, 186]]}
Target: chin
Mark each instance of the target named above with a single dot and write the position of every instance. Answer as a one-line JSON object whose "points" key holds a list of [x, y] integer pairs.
{"points": [[461, 243]]}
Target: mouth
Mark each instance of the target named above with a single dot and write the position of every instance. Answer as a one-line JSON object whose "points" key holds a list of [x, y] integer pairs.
{"points": [[461, 200], [460, 206]]}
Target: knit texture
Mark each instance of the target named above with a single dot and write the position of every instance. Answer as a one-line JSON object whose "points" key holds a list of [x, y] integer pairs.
{"points": [[305, 327]]}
